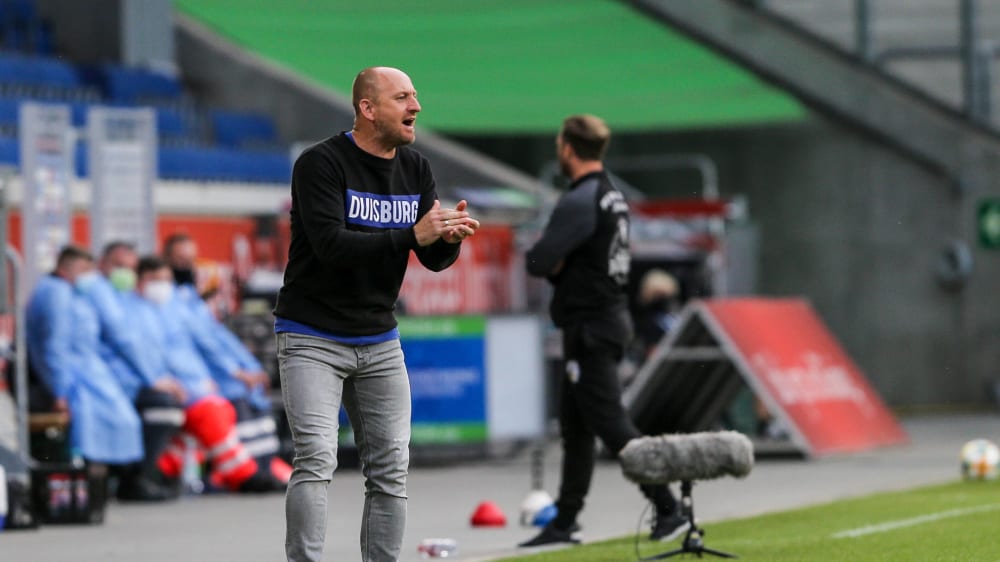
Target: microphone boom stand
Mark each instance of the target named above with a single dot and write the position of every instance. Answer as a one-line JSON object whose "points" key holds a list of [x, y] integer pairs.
{"points": [[694, 539]]}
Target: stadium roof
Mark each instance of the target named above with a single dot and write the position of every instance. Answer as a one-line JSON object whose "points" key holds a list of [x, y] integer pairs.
{"points": [[507, 66]]}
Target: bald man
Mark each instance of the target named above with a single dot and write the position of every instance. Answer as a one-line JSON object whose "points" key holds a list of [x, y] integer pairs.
{"points": [[361, 202]]}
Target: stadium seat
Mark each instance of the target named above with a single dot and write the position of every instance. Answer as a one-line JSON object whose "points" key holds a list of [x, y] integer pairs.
{"points": [[21, 28], [80, 163], [224, 164], [242, 129], [39, 75], [10, 151], [243, 146], [9, 111], [175, 125], [135, 85]]}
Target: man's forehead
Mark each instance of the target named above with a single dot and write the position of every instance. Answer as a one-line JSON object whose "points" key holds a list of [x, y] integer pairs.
{"points": [[123, 252], [393, 81]]}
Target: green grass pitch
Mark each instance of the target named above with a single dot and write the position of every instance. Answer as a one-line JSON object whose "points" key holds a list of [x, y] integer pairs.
{"points": [[959, 521]]}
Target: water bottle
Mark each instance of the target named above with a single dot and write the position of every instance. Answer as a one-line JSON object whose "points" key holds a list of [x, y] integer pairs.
{"points": [[191, 474], [59, 498], [81, 493], [437, 548]]}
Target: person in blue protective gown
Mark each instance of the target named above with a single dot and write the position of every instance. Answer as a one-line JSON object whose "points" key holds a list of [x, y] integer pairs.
{"points": [[210, 418], [239, 375], [158, 397], [63, 340]]}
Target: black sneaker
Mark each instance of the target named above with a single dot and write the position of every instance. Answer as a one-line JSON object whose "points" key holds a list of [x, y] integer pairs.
{"points": [[141, 489], [668, 526], [552, 535], [262, 483]]}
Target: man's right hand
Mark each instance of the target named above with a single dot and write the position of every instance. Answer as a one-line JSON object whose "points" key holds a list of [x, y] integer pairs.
{"points": [[252, 378], [61, 405], [433, 225]]}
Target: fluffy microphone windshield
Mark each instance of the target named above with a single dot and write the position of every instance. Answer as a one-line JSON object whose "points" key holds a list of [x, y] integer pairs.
{"points": [[696, 456]]}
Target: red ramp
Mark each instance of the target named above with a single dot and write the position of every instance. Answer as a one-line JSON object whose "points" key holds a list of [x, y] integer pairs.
{"points": [[784, 353]]}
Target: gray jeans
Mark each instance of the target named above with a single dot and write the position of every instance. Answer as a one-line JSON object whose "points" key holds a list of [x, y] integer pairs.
{"points": [[316, 374]]}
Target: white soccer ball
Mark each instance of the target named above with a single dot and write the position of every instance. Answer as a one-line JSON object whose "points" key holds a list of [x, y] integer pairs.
{"points": [[534, 504], [980, 459]]}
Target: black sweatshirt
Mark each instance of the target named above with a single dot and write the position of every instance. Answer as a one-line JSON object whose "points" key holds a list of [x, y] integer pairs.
{"points": [[352, 223], [588, 233]]}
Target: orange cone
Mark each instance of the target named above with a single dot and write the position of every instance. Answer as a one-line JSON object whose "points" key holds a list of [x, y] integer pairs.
{"points": [[488, 514]]}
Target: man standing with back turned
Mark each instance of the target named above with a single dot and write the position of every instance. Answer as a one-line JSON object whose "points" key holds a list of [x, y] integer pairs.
{"points": [[584, 252], [361, 201]]}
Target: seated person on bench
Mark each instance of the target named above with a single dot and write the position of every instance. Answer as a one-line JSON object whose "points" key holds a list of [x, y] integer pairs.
{"points": [[62, 337], [239, 375], [211, 419], [158, 396]]}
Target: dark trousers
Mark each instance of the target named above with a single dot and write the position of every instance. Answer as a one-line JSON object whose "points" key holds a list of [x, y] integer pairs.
{"points": [[591, 406], [162, 416], [258, 432]]}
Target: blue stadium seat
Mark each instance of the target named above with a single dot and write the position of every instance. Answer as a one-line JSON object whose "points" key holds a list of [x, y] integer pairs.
{"points": [[9, 112], [224, 164], [78, 113], [80, 164], [10, 151], [19, 24], [135, 85], [183, 162], [242, 129], [172, 123], [39, 72]]}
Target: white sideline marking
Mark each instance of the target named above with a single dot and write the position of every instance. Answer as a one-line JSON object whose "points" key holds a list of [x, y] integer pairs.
{"points": [[900, 523]]}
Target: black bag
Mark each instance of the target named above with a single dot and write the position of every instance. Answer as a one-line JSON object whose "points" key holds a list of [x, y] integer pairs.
{"points": [[20, 509]]}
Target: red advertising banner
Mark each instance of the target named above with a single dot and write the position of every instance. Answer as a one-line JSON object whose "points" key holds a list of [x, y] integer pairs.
{"points": [[479, 282], [802, 374]]}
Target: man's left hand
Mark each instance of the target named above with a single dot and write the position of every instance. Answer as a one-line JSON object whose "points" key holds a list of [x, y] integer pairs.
{"points": [[465, 229]]}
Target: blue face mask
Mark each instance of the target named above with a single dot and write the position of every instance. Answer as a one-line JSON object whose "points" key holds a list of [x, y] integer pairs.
{"points": [[85, 281]]}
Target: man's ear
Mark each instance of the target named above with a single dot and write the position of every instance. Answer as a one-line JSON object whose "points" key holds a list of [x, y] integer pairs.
{"points": [[567, 151], [367, 108]]}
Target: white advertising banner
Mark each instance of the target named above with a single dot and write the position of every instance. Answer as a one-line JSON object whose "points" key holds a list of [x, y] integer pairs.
{"points": [[122, 161], [46, 137]]}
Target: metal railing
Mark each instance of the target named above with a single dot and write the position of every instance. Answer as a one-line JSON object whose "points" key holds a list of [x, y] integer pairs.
{"points": [[975, 54], [19, 349]]}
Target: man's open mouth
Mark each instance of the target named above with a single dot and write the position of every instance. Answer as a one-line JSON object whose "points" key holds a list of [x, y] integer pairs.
{"points": [[409, 121]]}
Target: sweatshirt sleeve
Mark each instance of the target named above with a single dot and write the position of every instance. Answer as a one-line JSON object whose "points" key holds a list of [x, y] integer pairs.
{"points": [[439, 255], [319, 193], [573, 221]]}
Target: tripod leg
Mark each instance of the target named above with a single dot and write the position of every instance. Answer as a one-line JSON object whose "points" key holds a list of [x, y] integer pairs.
{"points": [[693, 540], [718, 553], [663, 555]]}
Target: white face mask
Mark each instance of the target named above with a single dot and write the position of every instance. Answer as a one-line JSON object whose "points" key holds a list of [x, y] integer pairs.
{"points": [[85, 281], [158, 292]]}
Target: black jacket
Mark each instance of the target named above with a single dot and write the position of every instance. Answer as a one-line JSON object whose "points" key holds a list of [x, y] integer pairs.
{"points": [[352, 223], [589, 233]]}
